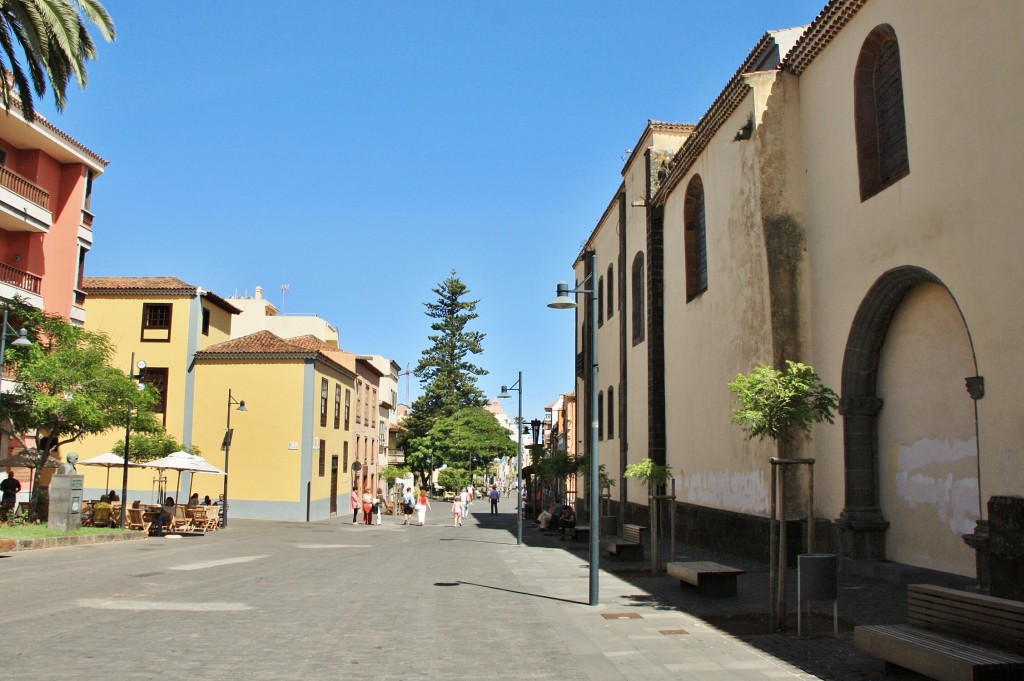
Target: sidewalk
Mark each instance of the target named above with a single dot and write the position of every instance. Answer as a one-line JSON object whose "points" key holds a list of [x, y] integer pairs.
{"points": [[642, 620]]}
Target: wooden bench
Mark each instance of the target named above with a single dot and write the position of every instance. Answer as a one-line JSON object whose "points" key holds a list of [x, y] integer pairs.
{"points": [[629, 545], [711, 579], [951, 635]]}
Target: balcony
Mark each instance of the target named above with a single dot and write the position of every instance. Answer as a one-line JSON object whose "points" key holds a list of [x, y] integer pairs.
{"points": [[22, 280], [24, 207]]}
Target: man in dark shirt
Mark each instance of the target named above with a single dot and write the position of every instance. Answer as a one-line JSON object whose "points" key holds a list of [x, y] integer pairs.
{"points": [[10, 487]]}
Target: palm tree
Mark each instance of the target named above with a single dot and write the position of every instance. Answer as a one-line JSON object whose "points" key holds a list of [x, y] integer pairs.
{"points": [[55, 42]]}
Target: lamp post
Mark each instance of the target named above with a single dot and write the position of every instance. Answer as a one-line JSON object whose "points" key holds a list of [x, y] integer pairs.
{"points": [[20, 342], [537, 503], [140, 367], [563, 301], [518, 387], [226, 446]]}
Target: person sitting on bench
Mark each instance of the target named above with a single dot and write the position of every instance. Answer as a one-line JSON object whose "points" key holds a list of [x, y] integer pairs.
{"points": [[567, 523]]}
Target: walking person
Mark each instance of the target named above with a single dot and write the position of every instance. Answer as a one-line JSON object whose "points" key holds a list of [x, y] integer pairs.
{"points": [[466, 498], [354, 501], [408, 505], [494, 494], [457, 511], [422, 504]]}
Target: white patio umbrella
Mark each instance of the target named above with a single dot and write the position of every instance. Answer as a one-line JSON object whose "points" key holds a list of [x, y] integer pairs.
{"points": [[184, 461], [109, 460]]}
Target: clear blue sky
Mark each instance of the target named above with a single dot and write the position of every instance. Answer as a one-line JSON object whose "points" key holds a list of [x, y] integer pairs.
{"points": [[360, 151]]}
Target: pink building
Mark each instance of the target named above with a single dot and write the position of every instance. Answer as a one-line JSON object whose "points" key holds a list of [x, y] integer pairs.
{"points": [[46, 180]]}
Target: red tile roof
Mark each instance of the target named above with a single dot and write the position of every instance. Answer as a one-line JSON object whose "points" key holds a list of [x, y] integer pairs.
{"points": [[151, 286], [268, 345]]}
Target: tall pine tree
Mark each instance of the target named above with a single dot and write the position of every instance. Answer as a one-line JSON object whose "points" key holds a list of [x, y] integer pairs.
{"points": [[445, 371]]}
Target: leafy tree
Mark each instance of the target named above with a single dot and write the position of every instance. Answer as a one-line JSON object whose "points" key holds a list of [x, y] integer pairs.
{"points": [[151, 446], [55, 43], [65, 388], [774, 403], [649, 472], [472, 434], [453, 479], [392, 473], [445, 371]]}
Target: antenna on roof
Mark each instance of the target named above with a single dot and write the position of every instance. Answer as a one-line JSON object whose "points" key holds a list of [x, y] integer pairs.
{"points": [[284, 289]]}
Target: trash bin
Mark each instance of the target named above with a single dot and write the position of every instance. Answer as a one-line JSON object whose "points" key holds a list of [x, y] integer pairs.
{"points": [[817, 576], [817, 580]]}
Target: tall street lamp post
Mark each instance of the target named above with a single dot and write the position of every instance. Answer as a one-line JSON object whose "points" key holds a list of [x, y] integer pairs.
{"points": [[563, 301], [139, 367], [226, 446], [20, 342], [518, 387], [536, 454]]}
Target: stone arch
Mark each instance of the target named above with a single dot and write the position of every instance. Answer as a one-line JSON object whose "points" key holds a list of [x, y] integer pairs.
{"points": [[861, 524]]}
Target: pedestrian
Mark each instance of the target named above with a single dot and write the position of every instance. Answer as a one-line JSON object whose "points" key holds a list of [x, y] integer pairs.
{"points": [[367, 506], [494, 494], [112, 496], [421, 506], [457, 511], [408, 505], [464, 496], [354, 501], [10, 488], [379, 505]]}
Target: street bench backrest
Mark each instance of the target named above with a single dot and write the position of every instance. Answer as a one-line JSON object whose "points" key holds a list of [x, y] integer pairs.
{"points": [[998, 622]]}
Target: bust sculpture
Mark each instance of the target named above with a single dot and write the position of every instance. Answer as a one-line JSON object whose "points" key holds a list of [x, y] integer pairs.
{"points": [[68, 468]]}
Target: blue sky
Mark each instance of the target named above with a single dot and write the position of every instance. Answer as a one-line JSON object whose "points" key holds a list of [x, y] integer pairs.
{"points": [[361, 151]]}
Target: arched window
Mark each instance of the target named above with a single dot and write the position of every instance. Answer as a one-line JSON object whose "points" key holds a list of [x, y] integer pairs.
{"points": [[878, 113], [611, 412], [695, 239], [600, 301], [600, 415], [611, 292], [639, 316]]}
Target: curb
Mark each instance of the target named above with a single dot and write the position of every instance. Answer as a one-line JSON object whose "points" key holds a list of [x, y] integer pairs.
{"points": [[10, 545]]}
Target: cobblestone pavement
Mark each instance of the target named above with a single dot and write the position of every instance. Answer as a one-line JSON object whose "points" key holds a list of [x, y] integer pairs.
{"points": [[328, 600]]}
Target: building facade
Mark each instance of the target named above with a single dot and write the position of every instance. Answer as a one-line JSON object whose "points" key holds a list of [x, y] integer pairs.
{"points": [[164, 322], [826, 210]]}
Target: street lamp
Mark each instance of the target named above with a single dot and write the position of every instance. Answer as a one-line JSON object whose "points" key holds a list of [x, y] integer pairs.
{"points": [[518, 387], [226, 446], [21, 341], [563, 301], [535, 455], [132, 368]]}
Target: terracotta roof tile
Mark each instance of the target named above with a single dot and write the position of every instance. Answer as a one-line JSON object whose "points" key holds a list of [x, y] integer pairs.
{"points": [[104, 284], [261, 342], [309, 342], [267, 344], [150, 286]]}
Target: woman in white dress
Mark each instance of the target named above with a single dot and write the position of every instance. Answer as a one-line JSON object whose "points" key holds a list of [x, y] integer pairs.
{"points": [[422, 504]]}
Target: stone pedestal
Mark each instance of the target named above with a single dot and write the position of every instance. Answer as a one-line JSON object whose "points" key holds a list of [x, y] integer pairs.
{"points": [[66, 502], [978, 540]]}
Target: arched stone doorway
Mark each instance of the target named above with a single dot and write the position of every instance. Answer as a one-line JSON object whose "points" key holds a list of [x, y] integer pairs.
{"points": [[862, 525]]}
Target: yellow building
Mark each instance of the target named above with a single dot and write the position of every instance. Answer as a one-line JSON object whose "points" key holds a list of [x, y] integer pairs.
{"points": [[289, 457], [162, 321]]}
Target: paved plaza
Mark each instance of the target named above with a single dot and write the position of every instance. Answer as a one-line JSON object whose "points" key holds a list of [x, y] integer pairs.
{"points": [[329, 600]]}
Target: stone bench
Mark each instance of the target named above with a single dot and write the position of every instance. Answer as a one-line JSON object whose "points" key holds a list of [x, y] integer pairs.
{"points": [[629, 545], [711, 579], [951, 635]]}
